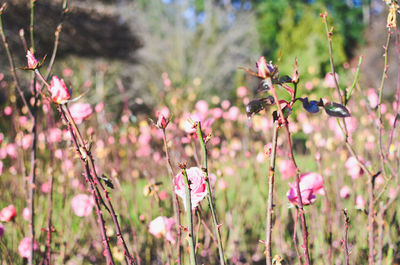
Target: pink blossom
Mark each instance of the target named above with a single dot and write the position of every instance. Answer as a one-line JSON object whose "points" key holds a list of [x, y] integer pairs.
{"points": [[24, 247], [80, 111], [45, 187], [233, 113], [162, 121], [8, 213], [99, 107], [143, 151], [163, 227], [262, 67], [163, 195], [26, 214], [12, 150], [67, 72], [23, 120], [202, 107], [2, 230], [27, 141], [309, 86], [59, 91], [67, 165], [198, 186], [287, 169], [8, 111], [351, 124], [330, 81], [225, 104], [32, 62], [82, 205], [222, 184], [55, 135], [353, 168], [217, 113], [310, 185], [345, 192], [360, 202], [1, 167], [241, 91], [373, 98]]}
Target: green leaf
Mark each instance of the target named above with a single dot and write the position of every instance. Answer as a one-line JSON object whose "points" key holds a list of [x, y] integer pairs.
{"points": [[336, 110]]}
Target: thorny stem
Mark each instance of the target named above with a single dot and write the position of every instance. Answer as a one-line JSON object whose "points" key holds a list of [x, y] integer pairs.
{"points": [[12, 64], [89, 180], [345, 239], [85, 152], [291, 155], [209, 194], [189, 218], [380, 127], [177, 209], [271, 176]]}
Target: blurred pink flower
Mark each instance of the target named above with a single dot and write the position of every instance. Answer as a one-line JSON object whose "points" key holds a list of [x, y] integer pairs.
{"points": [[373, 98], [202, 107], [222, 184], [27, 141], [24, 247], [287, 169], [353, 168], [32, 62], [8, 213], [1, 167], [233, 113], [198, 186], [26, 214], [310, 185], [67, 165], [67, 72], [99, 107], [59, 91], [2, 230], [262, 67], [330, 81], [217, 113], [45, 187], [80, 111], [163, 195], [12, 150], [351, 124], [345, 192], [143, 151], [23, 120], [163, 227], [360, 202], [309, 86], [225, 104], [82, 205], [8, 111], [241, 91], [55, 135]]}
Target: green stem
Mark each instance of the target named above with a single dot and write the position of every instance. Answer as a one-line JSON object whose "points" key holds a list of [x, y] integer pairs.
{"points": [[189, 218], [209, 193]]}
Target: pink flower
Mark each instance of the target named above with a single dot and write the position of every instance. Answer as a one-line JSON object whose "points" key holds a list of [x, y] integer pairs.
{"points": [[360, 202], [80, 111], [330, 81], [2, 230], [8, 213], [262, 67], [202, 108], [353, 168], [310, 185], [198, 186], [162, 122], [241, 91], [24, 247], [99, 107], [163, 227], [287, 169], [59, 91], [32, 62], [345, 192], [12, 150], [55, 135], [82, 205], [373, 98], [26, 214], [8, 111], [45, 187], [27, 141]]}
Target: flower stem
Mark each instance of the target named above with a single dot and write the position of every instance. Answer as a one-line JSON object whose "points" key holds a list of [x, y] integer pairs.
{"points": [[271, 176], [209, 194], [189, 219]]}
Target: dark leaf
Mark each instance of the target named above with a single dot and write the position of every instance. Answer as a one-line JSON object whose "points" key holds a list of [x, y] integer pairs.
{"points": [[258, 105], [310, 106], [286, 111], [336, 110]]}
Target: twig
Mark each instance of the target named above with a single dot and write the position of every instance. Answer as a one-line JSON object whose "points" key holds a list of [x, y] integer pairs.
{"points": [[271, 175], [209, 194], [177, 210], [189, 217], [345, 240]]}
